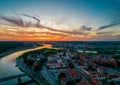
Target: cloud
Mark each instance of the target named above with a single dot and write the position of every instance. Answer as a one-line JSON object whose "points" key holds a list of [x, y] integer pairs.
{"points": [[105, 33], [38, 25], [19, 22], [31, 35], [107, 37], [13, 20], [113, 23], [107, 26], [38, 20], [85, 28]]}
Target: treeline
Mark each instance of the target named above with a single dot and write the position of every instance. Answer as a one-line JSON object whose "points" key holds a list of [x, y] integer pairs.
{"points": [[5, 46], [108, 51]]}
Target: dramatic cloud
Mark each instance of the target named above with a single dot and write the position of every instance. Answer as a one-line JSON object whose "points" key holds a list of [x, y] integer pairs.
{"points": [[21, 23], [31, 35], [38, 25], [113, 23]]}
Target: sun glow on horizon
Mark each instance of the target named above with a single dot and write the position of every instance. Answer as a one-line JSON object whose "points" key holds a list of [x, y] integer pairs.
{"points": [[62, 20]]}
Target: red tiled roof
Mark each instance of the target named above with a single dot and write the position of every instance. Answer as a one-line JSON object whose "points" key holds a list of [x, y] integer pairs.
{"points": [[95, 82], [84, 82], [73, 73]]}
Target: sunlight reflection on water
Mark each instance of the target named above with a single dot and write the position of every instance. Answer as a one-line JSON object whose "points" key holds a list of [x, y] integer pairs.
{"points": [[7, 63]]}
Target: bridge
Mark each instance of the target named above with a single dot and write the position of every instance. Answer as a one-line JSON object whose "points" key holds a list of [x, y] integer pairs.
{"points": [[12, 77]]}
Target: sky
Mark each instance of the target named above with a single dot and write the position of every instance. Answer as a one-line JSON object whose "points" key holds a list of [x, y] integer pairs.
{"points": [[60, 20]]}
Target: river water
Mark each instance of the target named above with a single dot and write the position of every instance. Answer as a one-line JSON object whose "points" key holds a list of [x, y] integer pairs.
{"points": [[8, 65]]}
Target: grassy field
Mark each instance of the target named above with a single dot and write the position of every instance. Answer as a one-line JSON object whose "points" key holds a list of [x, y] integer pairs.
{"points": [[45, 51]]}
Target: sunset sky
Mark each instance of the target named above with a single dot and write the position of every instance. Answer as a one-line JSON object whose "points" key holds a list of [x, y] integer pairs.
{"points": [[60, 20]]}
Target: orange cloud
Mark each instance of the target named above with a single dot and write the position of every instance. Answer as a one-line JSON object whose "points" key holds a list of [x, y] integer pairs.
{"points": [[25, 31], [25, 35]]}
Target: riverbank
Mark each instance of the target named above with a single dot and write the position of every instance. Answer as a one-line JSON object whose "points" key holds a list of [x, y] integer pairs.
{"points": [[36, 76], [8, 65], [17, 49]]}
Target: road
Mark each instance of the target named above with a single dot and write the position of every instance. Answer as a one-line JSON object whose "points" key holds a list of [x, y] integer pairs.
{"points": [[48, 76]]}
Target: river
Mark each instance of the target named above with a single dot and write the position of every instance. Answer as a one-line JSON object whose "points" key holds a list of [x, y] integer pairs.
{"points": [[8, 65]]}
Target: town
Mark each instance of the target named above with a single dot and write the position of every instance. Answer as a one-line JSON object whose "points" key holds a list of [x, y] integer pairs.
{"points": [[66, 66]]}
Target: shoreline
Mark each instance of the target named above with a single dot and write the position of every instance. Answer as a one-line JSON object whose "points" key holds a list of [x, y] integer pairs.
{"points": [[36, 76], [16, 49]]}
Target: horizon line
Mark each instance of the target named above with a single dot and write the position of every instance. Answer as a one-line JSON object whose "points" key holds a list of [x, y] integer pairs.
{"points": [[62, 41]]}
